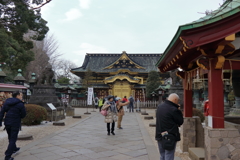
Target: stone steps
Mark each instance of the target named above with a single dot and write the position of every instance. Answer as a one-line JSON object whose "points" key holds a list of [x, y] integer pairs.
{"points": [[196, 153]]}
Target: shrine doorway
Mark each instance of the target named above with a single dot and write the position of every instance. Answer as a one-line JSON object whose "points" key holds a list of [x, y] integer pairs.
{"points": [[121, 89]]}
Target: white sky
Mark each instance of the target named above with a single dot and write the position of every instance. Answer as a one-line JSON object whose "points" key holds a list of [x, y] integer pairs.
{"points": [[113, 26]]}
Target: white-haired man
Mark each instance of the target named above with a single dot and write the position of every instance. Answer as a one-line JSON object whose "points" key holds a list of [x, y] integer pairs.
{"points": [[168, 119]]}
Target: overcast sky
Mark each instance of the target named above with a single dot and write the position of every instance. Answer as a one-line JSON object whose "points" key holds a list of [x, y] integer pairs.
{"points": [[113, 26]]}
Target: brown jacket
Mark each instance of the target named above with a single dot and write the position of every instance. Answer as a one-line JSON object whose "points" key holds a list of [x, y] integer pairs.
{"points": [[120, 105]]}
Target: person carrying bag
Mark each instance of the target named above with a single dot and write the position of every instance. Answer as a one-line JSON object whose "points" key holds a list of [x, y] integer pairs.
{"points": [[168, 118], [111, 117]]}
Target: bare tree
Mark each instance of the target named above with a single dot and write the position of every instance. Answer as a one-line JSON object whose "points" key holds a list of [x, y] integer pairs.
{"points": [[46, 53], [63, 68]]}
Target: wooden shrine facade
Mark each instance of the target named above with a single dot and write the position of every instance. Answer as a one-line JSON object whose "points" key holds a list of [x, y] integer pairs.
{"points": [[119, 74]]}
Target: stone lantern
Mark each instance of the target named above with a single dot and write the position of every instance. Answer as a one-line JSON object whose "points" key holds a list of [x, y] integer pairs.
{"points": [[2, 75], [19, 79], [226, 92], [197, 85], [32, 81]]}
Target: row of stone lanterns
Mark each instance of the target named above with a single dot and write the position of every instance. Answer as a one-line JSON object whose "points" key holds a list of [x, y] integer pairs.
{"points": [[202, 84]]}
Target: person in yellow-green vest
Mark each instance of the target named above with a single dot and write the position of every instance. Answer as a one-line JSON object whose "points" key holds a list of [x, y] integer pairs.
{"points": [[100, 103]]}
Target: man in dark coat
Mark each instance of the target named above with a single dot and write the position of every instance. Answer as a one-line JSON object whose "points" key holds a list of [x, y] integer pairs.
{"points": [[15, 111], [168, 119]]}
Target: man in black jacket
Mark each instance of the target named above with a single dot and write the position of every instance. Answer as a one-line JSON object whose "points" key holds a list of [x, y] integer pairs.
{"points": [[15, 111], [168, 119]]}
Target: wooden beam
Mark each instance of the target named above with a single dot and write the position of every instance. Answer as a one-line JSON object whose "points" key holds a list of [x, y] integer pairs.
{"points": [[231, 65]]}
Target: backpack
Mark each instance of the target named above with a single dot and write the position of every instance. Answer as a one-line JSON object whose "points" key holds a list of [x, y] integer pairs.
{"points": [[131, 100]]}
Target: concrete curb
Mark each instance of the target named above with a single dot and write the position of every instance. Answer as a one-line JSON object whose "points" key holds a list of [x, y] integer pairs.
{"points": [[151, 148], [32, 144]]}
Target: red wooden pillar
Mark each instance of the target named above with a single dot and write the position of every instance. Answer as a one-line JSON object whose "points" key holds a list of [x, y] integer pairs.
{"points": [[215, 96], [187, 100]]}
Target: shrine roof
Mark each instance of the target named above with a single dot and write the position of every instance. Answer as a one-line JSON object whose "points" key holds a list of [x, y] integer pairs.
{"points": [[131, 77], [228, 9], [103, 63]]}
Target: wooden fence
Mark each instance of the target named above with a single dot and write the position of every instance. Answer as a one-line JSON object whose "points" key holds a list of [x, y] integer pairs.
{"points": [[147, 104]]}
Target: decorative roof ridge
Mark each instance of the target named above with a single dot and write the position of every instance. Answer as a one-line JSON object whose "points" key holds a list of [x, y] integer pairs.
{"points": [[121, 74], [119, 54], [200, 22], [127, 56]]}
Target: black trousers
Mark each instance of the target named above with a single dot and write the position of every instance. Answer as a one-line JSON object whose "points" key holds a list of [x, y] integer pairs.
{"points": [[12, 132], [108, 127]]}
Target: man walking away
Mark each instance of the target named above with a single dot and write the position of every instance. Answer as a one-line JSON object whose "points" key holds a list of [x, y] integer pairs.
{"points": [[15, 111], [96, 102], [131, 107], [168, 119]]}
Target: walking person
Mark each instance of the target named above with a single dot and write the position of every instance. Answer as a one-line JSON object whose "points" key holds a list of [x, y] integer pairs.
{"points": [[131, 106], [168, 119], [120, 105], [111, 116], [15, 111], [96, 102], [100, 103], [125, 100]]}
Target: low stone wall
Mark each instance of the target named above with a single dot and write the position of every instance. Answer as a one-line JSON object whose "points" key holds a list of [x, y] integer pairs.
{"points": [[59, 115], [70, 111], [222, 144], [188, 134], [199, 132], [232, 125], [232, 119]]}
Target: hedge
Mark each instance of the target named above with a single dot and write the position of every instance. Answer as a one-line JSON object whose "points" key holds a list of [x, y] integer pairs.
{"points": [[35, 115]]}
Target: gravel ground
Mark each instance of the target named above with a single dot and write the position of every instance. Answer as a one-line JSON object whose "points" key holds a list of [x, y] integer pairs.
{"points": [[151, 131], [38, 131]]}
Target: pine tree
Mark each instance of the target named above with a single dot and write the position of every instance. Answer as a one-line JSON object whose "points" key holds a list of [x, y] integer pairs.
{"points": [[87, 78], [153, 82], [17, 19]]}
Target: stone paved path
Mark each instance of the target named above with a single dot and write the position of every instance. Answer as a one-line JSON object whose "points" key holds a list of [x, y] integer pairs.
{"points": [[88, 140]]}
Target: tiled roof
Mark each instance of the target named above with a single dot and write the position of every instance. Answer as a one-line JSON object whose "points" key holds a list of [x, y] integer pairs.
{"points": [[97, 62], [131, 77]]}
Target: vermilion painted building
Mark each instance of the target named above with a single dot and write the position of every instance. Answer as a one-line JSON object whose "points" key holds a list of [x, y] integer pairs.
{"points": [[207, 48]]}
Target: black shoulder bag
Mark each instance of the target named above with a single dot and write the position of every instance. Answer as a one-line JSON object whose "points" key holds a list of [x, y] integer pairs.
{"points": [[168, 141]]}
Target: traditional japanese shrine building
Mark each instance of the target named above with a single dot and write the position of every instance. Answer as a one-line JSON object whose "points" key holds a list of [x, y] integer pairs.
{"points": [[118, 74], [209, 49]]}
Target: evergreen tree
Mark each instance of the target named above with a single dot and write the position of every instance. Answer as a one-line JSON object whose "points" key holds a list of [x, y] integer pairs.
{"points": [[153, 82], [63, 80], [87, 78], [17, 19]]}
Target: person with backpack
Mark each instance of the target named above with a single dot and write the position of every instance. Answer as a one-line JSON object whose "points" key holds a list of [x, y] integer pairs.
{"points": [[96, 102], [120, 105], [14, 110], [131, 104]]}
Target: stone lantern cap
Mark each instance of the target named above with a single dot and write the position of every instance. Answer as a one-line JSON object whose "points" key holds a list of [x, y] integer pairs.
{"points": [[2, 74], [19, 76], [33, 79]]}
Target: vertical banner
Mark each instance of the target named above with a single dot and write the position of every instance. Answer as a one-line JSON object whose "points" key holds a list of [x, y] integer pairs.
{"points": [[90, 96]]}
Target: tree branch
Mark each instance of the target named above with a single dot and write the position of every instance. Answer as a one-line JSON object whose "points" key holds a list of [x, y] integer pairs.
{"points": [[47, 1]]}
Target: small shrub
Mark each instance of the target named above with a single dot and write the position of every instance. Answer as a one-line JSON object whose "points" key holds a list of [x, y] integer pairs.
{"points": [[198, 113], [35, 114]]}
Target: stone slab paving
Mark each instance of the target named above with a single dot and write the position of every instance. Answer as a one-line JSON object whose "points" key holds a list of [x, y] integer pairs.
{"points": [[88, 140]]}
